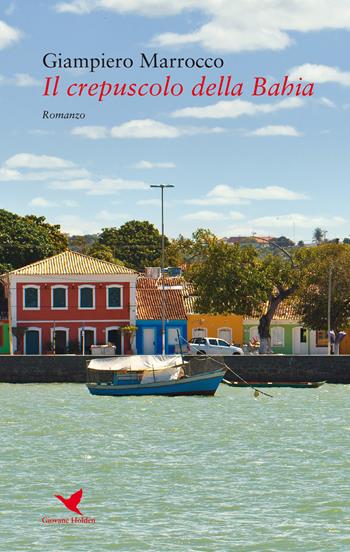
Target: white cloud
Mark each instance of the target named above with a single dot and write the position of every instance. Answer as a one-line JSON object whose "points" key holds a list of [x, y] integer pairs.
{"points": [[154, 165], [107, 216], [203, 216], [232, 109], [229, 193], [231, 26], [92, 132], [320, 73], [104, 186], [142, 128], [21, 80], [327, 102], [236, 215], [299, 220], [41, 202], [31, 161], [275, 130], [8, 35]]}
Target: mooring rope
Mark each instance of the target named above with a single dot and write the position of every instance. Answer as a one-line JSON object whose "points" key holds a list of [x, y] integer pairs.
{"points": [[257, 392]]}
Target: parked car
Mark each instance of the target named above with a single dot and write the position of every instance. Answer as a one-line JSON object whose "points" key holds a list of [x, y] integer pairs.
{"points": [[212, 346]]}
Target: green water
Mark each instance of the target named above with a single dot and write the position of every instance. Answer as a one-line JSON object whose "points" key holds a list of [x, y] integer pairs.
{"points": [[176, 474]]}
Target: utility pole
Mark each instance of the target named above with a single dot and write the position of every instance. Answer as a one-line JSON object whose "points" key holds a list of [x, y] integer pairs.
{"points": [[162, 186], [329, 309]]}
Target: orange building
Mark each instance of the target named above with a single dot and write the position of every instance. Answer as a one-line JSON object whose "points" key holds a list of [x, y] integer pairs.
{"points": [[228, 327]]}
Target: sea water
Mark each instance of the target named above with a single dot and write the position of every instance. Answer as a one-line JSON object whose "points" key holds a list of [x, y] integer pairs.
{"points": [[184, 474]]}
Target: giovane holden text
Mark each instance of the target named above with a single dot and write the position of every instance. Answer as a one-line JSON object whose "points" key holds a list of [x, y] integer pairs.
{"points": [[223, 86]]}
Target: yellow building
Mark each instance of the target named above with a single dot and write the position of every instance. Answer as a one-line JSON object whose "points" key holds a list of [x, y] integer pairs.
{"points": [[228, 327]]}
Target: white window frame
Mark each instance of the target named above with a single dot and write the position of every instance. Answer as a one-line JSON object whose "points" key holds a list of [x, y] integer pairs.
{"points": [[122, 336], [273, 330], [226, 328], [61, 329], [32, 328], [121, 296], [29, 286], [200, 328], [58, 286], [93, 297], [253, 332], [87, 328]]}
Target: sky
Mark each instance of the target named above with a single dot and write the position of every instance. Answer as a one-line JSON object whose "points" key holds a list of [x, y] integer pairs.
{"points": [[239, 165]]}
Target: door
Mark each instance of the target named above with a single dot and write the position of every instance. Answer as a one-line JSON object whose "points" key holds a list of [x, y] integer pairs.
{"points": [[32, 342], [115, 337], [60, 337], [300, 341], [149, 341], [225, 334], [89, 340], [173, 340]]}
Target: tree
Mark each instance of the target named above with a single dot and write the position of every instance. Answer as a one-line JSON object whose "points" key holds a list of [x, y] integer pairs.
{"points": [[227, 278], [136, 243], [24, 240], [318, 235], [103, 252], [284, 242], [329, 263]]}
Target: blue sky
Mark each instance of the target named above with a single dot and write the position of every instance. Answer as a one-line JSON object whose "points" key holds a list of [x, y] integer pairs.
{"points": [[239, 165]]}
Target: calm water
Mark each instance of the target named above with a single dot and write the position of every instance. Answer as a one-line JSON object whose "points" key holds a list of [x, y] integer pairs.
{"points": [[176, 474]]}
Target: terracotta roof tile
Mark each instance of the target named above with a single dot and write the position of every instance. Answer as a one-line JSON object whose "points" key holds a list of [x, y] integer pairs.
{"points": [[71, 262]]}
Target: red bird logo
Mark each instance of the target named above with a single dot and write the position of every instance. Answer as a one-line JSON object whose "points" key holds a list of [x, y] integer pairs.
{"points": [[72, 502]]}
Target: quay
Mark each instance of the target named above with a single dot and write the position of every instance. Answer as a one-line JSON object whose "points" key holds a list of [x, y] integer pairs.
{"points": [[72, 368]]}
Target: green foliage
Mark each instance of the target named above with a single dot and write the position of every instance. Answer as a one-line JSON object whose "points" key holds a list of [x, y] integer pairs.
{"points": [[81, 244], [227, 278], [103, 252], [312, 295], [136, 243], [24, 240]]}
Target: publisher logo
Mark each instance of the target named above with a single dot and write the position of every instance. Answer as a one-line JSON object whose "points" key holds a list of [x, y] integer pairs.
{"points": [[72, 504]]}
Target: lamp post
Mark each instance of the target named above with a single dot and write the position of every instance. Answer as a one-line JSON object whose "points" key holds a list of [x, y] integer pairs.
{"points": [[162, 187], [329, 310]]}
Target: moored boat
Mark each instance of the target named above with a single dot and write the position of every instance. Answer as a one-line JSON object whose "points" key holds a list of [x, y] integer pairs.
{"points": [[296, 384], [151, 375]]}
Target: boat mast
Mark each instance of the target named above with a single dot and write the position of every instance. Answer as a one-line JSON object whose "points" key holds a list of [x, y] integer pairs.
{"points": [[162, 186]]}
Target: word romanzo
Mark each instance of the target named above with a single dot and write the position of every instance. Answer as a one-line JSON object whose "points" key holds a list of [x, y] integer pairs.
{"points": [[224, 86], [51, 60], [63, 115]]}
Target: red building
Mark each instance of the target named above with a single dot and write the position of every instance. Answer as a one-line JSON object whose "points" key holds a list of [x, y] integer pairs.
{"points": [[60, 303]]}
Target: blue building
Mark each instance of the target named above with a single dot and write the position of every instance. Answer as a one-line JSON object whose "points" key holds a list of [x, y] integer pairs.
{"points": [[149, 300]]}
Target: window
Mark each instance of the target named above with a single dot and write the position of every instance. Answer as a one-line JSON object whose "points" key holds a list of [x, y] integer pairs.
{"points": [[277, 336], [59, 297], [321, 338], [199, 332], [87, 297], [213, 342], [223, 343], [303, 335], [254, 333], [225, 334], [114, 297], [31, 297]]}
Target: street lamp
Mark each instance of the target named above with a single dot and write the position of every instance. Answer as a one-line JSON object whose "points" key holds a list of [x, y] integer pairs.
{"points": [[162, 187]]}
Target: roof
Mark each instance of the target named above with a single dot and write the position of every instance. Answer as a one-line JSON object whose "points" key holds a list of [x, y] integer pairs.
{"points": [[287, 310], [149, 304], [73, 263], [149, 298]]}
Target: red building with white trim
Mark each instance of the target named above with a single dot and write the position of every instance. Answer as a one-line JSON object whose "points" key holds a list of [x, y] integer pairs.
{"points": [[60, 303]]}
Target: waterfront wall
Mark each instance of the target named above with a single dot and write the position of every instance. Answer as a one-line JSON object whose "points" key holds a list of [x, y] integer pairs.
{"points": [[71, 368]]}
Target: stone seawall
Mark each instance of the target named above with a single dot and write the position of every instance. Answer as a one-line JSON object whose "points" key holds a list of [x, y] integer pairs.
{"points": [[70, 368]]}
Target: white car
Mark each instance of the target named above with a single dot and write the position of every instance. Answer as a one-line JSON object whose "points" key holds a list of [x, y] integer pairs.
{"points": [[212, 346]]}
